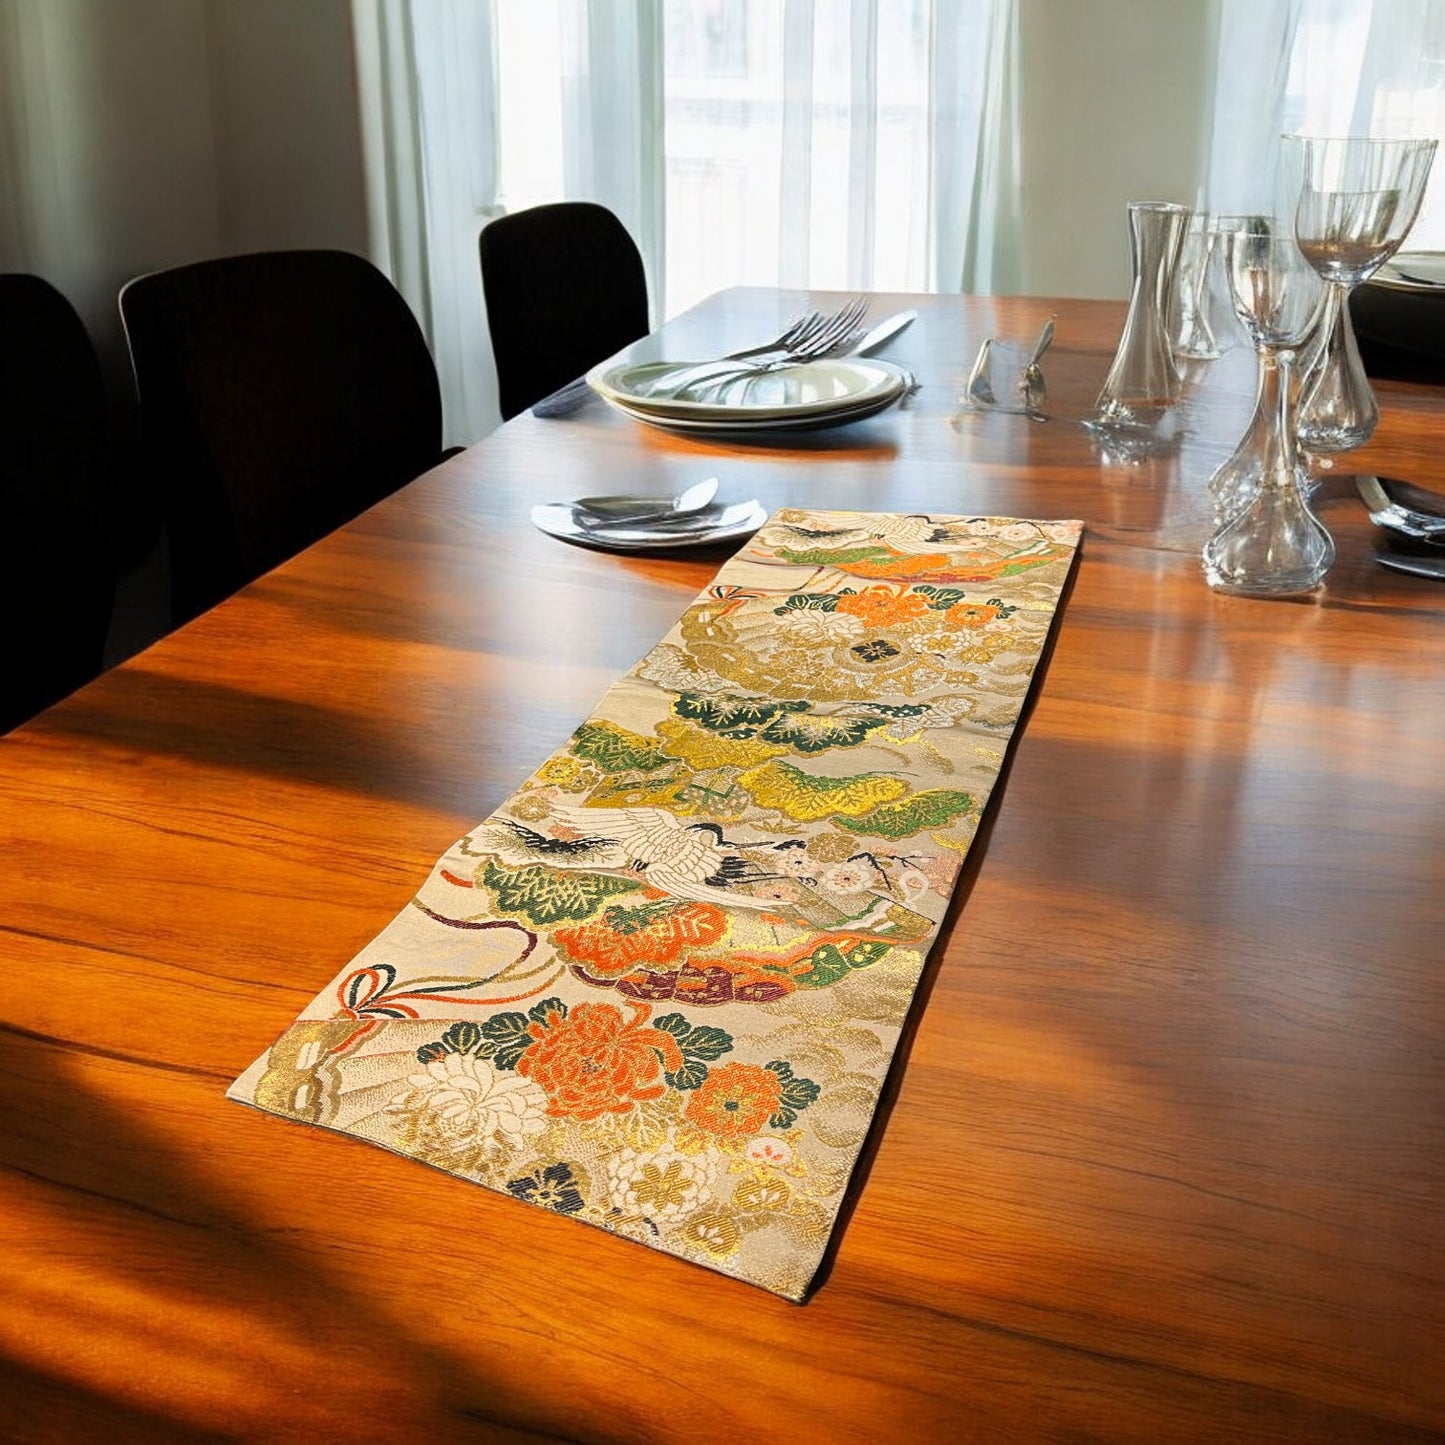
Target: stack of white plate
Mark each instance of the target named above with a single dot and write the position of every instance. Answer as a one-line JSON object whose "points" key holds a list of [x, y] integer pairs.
{"points": [[812, 394]]}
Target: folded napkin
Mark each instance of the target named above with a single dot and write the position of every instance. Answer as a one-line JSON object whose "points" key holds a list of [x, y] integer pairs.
{"points": [[658, 990]]}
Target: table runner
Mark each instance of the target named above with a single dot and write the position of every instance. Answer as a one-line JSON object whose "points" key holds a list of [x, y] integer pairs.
{"points": [[659, 989]]}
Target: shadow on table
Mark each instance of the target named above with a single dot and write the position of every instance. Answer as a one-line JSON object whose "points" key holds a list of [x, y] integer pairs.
{"points": [[142, 1303]]}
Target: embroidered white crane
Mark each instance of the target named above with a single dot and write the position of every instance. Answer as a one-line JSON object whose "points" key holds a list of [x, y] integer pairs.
{"points": [[687, 860]]}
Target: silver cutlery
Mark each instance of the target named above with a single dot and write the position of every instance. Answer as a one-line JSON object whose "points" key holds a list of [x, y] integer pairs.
{"points": [[1033, 376], [1386, 512], [1029, 387], [1432, 567], [572, 397], [624, 511], [701, 524], [872, 340], [836, 332]]}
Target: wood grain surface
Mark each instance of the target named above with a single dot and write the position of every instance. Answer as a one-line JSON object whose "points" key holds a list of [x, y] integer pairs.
{"points": [[1164, 1152]]}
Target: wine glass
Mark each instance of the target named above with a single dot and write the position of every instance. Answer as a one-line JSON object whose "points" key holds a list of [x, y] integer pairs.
{"points": [[1356, 199], [1199, 315], [1269, 543]]}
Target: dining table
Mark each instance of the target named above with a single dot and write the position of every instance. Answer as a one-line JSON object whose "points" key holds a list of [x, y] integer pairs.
{"points": [[1161, 1152]]}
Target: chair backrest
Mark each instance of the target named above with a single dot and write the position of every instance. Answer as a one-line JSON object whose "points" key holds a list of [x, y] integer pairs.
{"points": [[57, 577], [281, 394], [565, 288]]}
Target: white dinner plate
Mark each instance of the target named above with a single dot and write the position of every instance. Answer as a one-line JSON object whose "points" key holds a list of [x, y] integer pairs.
{"points": [[712, 525], [745, 421], [812, 390], [1413, 271]]}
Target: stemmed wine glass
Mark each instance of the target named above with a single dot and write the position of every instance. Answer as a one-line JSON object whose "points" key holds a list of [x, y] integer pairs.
{"points": [[1197, 315], [1356, 199], [1269, 543]]}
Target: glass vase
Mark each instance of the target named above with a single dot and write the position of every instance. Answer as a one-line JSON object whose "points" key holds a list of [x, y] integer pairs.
{"points": [[1143, 382]]}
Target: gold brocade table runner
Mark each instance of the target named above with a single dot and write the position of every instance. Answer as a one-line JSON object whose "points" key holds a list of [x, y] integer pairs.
{"points": [[659, 989]]}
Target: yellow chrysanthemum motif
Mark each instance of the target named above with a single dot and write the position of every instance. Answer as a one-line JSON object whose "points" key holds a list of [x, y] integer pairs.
{"points": [[806, 798]]}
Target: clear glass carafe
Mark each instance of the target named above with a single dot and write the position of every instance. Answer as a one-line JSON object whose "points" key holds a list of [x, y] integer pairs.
{"points": [[1268, 542], [1143, 382], [1271, 545]]}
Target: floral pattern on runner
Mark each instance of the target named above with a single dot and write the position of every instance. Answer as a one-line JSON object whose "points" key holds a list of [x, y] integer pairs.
{"points": [[658, 990]]}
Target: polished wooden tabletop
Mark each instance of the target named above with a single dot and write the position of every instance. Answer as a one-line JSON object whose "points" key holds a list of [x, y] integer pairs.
{"points": [[1163, 1156]]}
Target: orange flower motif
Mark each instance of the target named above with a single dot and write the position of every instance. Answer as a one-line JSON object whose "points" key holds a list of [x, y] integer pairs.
{"points": [[593, 1062], [625, 938], [882, 606], [736, 1100], [970, 614]]}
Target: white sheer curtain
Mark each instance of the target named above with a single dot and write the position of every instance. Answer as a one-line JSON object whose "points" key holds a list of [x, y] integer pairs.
{"points": [[1325, 67], [808, 143], [580, 114], [427, 83], [987, 146]]}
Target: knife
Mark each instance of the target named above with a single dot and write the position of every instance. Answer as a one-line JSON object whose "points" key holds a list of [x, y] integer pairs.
{"points": [[1433, 567], [884, 332]]}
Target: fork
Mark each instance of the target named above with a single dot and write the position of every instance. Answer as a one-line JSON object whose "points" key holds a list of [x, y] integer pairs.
{"points": [[835, 331], [567, 399]]}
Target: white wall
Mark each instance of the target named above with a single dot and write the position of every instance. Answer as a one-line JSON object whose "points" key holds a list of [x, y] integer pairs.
{"points": [[1114, 97], [288, 138], [138, 134]]}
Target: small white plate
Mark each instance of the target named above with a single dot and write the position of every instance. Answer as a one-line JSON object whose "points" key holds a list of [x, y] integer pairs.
{"points": [[813, 390], [709, 527]]}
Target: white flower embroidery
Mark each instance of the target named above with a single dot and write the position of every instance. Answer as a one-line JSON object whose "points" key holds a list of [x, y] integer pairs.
{"points": [[795, 863], [820, 629], [461, 1103], [849, 878], [664, 1185]]}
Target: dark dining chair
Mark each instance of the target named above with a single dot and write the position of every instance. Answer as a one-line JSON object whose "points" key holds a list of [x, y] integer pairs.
{"points": [[281, 394], [565, 288], [57, 576]]}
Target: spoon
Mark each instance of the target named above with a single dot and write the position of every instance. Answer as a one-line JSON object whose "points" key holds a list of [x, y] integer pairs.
{"points": [[1032, 377], [679, 528], [1390, 514], [625, 511]]}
